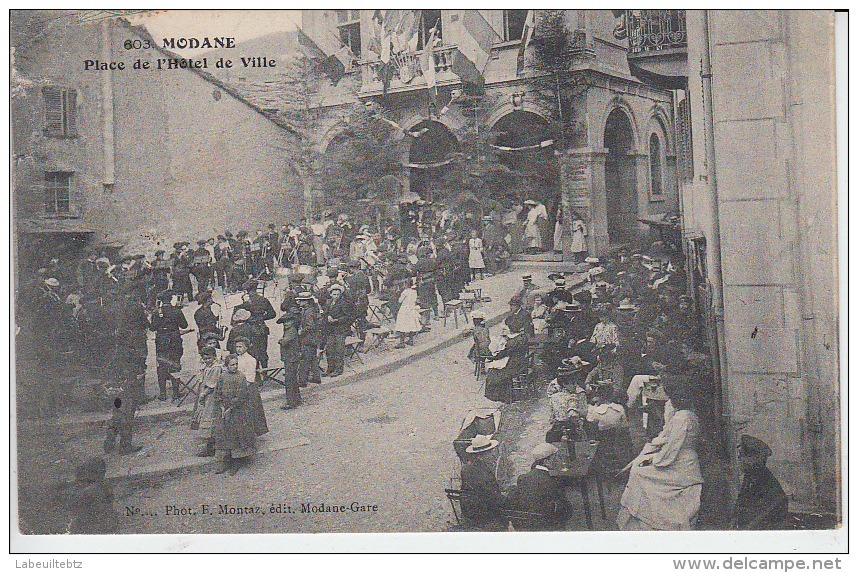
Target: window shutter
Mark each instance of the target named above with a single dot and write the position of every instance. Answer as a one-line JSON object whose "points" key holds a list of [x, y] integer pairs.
{"points": [[71, 112], [53, 110]]}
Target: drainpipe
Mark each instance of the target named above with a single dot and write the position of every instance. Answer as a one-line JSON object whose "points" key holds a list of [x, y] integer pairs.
{"points": [[713, 246], [107, 106]]}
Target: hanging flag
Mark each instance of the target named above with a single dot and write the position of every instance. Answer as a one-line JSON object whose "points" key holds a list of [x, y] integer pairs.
{"points": [[332, 67], [385, 74], [406, 31], [526, 36], [427, 64], [474, 38]]}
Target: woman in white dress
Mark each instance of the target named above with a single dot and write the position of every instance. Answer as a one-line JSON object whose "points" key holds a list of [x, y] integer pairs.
{"points": [[579, 238], [663, 492], [532, 229], [408, 316], [475, 255]]}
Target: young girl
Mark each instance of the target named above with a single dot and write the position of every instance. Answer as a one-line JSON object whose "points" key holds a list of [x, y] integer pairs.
{"points": [[247, 366], [204, 409], [232, 429], [475, 255], [408, 316], [579, 240]]}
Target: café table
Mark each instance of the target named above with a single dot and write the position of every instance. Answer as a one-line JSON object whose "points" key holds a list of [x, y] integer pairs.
{"points": [[579, 471]]}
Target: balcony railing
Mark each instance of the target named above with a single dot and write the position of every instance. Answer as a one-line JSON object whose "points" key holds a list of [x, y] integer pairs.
{"points": [[655, 30], [407, 73]]}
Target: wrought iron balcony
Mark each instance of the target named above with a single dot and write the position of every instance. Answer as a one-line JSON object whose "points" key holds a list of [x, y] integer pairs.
{"points": [[407, 73], [654, 31]]}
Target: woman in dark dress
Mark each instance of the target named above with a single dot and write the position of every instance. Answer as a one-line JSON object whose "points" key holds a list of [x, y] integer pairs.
{"points": [[233, 429], [499, 380]]}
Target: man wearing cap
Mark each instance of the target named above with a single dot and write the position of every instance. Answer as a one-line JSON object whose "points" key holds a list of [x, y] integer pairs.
{"points": [[207, 322], [201, 266], [525, 294], [260, 311], [482, 500], [290, 352], [181, 272], [169, 324], [538, 493], [762, 503]]}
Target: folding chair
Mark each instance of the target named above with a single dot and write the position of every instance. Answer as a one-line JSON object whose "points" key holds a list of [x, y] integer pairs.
{"points": [[188, 387], [454, 306], [379, 335], [272, 374], [353, 344]]}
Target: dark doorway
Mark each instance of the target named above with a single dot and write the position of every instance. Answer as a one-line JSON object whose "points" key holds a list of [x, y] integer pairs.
{"points": [[620, 179], [430, 155]]}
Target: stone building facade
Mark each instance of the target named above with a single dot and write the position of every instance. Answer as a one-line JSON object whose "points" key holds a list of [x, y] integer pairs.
{"points": [[618, 161], [125, 156], [772, 77]]}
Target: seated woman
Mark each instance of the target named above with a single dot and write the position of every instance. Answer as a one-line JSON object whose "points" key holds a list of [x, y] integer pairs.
{"points": [[482, 500], [562, 412], [612, 430], [663, 491], [506, 364], [481, 335]]}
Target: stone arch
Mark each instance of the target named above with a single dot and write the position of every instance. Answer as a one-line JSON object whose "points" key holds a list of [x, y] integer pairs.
{"points": [[621, 104], [507, 108], [660, 121], [450, 121], [335, 130]]}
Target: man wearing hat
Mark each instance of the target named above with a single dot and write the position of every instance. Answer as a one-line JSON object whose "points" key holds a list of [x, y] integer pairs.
{"points": [[762, 503], [131, 344], [169, 325], [290, 351], [309, 333], [482, 500], [338, 318], [525, 294], [537, 492], [558, 293]]}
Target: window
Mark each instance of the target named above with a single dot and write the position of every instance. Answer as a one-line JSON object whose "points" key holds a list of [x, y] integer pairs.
{"points": [[348, 25], [57, 193], [430, 19], [655, 164], [60, 112], [513, 24]]}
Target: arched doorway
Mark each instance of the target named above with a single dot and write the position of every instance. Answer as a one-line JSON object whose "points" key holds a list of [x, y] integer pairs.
{"points": [[620, 178], [430, 156], [519, 136]]}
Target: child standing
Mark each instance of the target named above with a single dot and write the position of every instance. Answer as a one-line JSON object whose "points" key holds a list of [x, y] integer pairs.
{"points": [[475, 255], [247, 366], [408, 316], [204, 409], [232, 427]]}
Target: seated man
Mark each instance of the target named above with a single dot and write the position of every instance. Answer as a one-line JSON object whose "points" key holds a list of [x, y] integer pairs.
{"points": [[762, 503], [538, 493], [482, 500]]}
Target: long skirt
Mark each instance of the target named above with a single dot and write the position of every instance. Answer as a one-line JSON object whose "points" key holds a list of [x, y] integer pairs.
{"points": [[499, 385], [260, 424], [202, 420], [236, 435]]}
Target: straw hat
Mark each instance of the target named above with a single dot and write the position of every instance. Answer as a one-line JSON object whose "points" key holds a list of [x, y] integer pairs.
{"points": [[543, 451], [481, 443], [52, 282], [241, 314]]}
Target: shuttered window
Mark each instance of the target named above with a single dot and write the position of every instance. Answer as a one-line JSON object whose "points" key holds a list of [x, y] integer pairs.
{"points": [[655, 164], [57, 193], [60, 111]]}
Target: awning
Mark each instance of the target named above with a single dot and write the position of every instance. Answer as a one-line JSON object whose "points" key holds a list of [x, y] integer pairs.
{"points": [[53, 226]]}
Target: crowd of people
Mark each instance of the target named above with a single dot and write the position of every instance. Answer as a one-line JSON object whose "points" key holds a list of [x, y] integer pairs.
{"points": [[627, 346], [100, 311]]}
